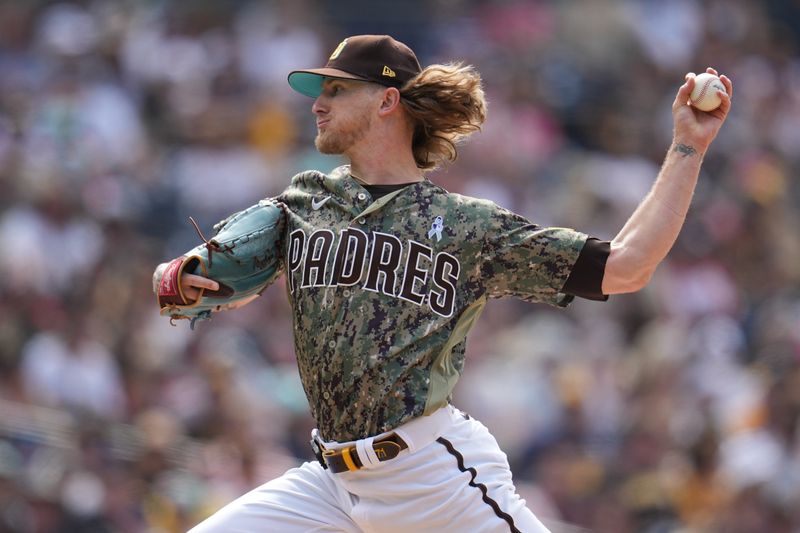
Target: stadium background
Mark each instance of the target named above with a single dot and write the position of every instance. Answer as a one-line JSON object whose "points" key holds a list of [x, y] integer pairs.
{"points": [[674, 409]]}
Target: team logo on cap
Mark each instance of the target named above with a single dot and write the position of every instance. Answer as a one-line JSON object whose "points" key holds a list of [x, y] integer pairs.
{"points": [[338, 50], [388, 72]]}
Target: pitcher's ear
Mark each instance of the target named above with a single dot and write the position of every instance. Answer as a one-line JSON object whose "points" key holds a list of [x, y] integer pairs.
{"points": [[390, 101]]}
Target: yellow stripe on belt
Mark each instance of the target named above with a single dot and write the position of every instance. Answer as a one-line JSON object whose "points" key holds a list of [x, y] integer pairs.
{"points": [[348, 460]]}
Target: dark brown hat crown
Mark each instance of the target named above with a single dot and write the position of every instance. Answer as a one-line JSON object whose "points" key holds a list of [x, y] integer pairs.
{"points": [[375, 58]]}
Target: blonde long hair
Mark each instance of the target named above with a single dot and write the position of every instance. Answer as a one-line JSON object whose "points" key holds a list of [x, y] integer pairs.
{"points": [[446, 105]]}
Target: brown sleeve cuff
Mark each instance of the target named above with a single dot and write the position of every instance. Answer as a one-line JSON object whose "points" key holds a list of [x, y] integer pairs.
{"points": [[586, 278]]}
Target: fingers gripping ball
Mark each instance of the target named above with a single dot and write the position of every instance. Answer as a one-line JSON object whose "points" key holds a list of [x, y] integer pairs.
{"points": [[243, 258], [704, 95]]}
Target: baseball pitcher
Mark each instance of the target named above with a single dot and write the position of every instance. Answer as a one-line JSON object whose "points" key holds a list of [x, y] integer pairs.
{"points": [[386, 273]]}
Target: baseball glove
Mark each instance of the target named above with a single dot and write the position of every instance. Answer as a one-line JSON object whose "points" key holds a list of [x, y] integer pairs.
{"points": [[243, 258]]}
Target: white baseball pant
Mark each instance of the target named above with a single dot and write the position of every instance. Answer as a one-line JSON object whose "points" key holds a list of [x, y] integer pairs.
{"points": [[453, 477]]}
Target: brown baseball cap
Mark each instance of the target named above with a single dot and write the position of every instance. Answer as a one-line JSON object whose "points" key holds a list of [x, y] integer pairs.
{"points": [[375, 58]]}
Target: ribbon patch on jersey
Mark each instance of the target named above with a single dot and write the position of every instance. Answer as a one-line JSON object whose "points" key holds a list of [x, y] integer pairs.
{"points": [[436, 228]]}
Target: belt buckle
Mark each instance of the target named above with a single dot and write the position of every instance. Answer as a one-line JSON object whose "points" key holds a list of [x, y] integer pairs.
{"points": [[315, 447]]}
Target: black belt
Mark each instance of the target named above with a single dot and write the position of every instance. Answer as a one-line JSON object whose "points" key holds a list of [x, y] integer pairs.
{"points": [[347, 458]]}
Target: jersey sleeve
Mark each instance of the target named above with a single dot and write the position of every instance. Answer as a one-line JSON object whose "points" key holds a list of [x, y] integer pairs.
{"points": [[527, 261]]}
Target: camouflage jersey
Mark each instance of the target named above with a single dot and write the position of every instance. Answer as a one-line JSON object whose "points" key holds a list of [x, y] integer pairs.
{"points": [[383, 293]]}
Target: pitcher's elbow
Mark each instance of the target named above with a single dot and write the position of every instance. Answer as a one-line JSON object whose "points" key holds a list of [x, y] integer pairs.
{"points": [[641, 279], [627, 271]]}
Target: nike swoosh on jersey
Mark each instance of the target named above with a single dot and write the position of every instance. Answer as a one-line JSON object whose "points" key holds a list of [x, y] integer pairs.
{"points": [[316, 205]]}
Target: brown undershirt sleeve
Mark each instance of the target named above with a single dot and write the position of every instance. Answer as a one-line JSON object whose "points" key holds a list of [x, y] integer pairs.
{"points": [[586, 278]]}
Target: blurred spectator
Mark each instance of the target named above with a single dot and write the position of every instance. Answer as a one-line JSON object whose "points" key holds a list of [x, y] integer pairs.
{"points": [[69, 368]]}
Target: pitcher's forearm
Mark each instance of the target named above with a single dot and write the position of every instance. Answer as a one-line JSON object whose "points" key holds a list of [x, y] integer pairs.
{"points": [[652, 229], [671, 193]]}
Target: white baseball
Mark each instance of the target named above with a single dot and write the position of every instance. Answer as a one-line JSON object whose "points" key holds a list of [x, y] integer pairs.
{"points": [[704, 95]]}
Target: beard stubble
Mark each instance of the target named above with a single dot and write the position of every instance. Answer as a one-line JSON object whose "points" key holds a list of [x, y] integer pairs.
{"points": [[340, 140]]}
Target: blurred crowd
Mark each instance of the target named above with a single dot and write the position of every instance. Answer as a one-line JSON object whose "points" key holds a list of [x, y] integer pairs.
{"points": [[673, 409]]}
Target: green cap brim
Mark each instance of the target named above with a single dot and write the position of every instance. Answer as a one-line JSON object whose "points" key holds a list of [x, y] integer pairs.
{"points": [[306, 83], [309, 82]]}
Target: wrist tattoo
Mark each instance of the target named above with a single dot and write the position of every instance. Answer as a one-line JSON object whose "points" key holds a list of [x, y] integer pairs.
{"points": [[685, 149]]}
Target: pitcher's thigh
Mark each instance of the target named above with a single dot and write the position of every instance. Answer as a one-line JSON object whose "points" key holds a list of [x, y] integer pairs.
{"points": [[486, 496], [303, 500]]}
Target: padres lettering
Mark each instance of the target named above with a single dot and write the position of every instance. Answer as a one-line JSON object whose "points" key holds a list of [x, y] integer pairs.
{"points": [[376, 268]]}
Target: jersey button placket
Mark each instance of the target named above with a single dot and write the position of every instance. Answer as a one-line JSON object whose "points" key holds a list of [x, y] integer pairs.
{"points": [[362, 196], [331, 344]]}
